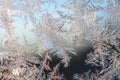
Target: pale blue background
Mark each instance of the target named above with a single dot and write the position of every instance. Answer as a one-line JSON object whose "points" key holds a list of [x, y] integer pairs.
{"points": [[31, 37]]}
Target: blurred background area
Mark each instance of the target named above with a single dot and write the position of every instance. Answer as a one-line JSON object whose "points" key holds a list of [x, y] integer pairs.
{"points": [[56, 22]]}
